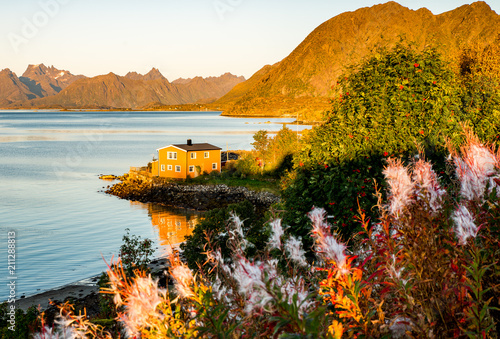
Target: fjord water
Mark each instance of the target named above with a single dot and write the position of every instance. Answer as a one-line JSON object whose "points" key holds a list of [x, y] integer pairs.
{"points": [[51, 197]]}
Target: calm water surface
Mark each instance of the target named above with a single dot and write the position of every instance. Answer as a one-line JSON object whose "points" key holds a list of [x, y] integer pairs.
{"points": [[50, 194]]}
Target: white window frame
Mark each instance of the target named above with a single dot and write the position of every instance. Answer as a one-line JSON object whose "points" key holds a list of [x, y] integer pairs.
{"points": [[172, 155], [191, 169], [193, 155], [177, 168], [214, 166], [169, 167], [206, 155], [163, 168]]}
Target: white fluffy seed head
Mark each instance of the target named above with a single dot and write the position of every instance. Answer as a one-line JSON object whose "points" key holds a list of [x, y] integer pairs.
{"points": [[326, 245], [236, 236], [142, 302], [400, 184], [276, 234], [464, 224], [183, 278], [475, 168], [427, 185], [293, 247]]}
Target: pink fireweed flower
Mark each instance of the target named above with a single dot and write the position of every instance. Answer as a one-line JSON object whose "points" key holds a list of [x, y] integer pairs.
{"points": [[258, 301], [48, 333], [72, 328], [142, 301], [464, 224], [248, 275], [293, 247], [276, 234], [334, 250], [475, 169], [221, 291], [183, 278], [237, 230], [326, 245], [470, 184], [318, 217], [396, 273], [321, 228], [427, 184], [236, 235], [215, 257], [116, 285], [399, 326], [481, 158], [66, 328], [400, 184], [250, 279], [296, 288]]}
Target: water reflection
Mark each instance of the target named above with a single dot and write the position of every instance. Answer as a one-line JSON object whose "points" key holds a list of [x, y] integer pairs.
{"points": [[170, 224]]}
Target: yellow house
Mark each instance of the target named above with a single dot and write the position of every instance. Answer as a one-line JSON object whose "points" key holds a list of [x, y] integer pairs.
{"points": [[186, 160]]}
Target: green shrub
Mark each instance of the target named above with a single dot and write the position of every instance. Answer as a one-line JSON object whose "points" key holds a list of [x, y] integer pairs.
{"points": [[135, 252], [211, 231], [391, 104], [26, 323]]}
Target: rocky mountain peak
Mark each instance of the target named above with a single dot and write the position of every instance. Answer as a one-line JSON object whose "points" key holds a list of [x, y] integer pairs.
{"points": [[154, 74], [6, 71]]}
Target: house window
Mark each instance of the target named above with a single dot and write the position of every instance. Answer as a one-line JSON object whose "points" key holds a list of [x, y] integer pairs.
{"points": [[172, 155], [169, 167], [177, 168], [193, 155], [214, 165], [163, 168], [207, 154], [191, 169]]}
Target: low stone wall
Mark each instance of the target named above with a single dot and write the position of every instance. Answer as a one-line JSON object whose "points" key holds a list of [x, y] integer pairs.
{"points": [[198, 197]]}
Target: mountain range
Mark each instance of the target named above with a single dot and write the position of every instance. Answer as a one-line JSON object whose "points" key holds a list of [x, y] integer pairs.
{"points": [[48, 87], [301, 84]]}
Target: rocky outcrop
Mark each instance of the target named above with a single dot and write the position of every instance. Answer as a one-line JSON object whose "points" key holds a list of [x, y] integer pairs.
{"points": [[198, 197], [46, 81], [12, 89]]}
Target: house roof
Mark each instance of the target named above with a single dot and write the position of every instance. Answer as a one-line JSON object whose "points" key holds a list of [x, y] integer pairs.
{"points": [[194, 147]]}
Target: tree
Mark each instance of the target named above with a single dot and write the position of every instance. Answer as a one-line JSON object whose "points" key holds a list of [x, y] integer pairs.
{"points": [[389, 103], [261, 145]]}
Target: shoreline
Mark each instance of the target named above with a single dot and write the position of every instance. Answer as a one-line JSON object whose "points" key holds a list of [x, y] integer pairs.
{"points": [[246, 116], [196, 197], [79, 290]]}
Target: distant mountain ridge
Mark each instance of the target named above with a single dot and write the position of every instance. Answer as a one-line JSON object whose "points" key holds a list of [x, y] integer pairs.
{"points": [[48, 87], [300, 85], [153, 74], [12, 90], [302, 82], [45, 81]]}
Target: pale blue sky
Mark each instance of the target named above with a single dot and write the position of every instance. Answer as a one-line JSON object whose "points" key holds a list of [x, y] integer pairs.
{"points": [[183, 38]]}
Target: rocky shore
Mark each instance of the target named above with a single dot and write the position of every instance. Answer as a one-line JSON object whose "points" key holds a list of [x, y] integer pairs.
{"points": [[83, 294], [198, 197]]}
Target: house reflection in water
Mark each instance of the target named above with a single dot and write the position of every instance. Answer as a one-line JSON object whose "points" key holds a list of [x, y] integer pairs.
{"points": [[172, 225]]}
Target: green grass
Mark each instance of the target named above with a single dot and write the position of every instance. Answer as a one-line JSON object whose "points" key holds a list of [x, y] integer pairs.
{"points": [[257, 183]]}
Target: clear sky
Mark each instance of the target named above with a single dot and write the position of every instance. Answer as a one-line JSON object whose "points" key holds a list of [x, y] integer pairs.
{"points": [[182, 38]]}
